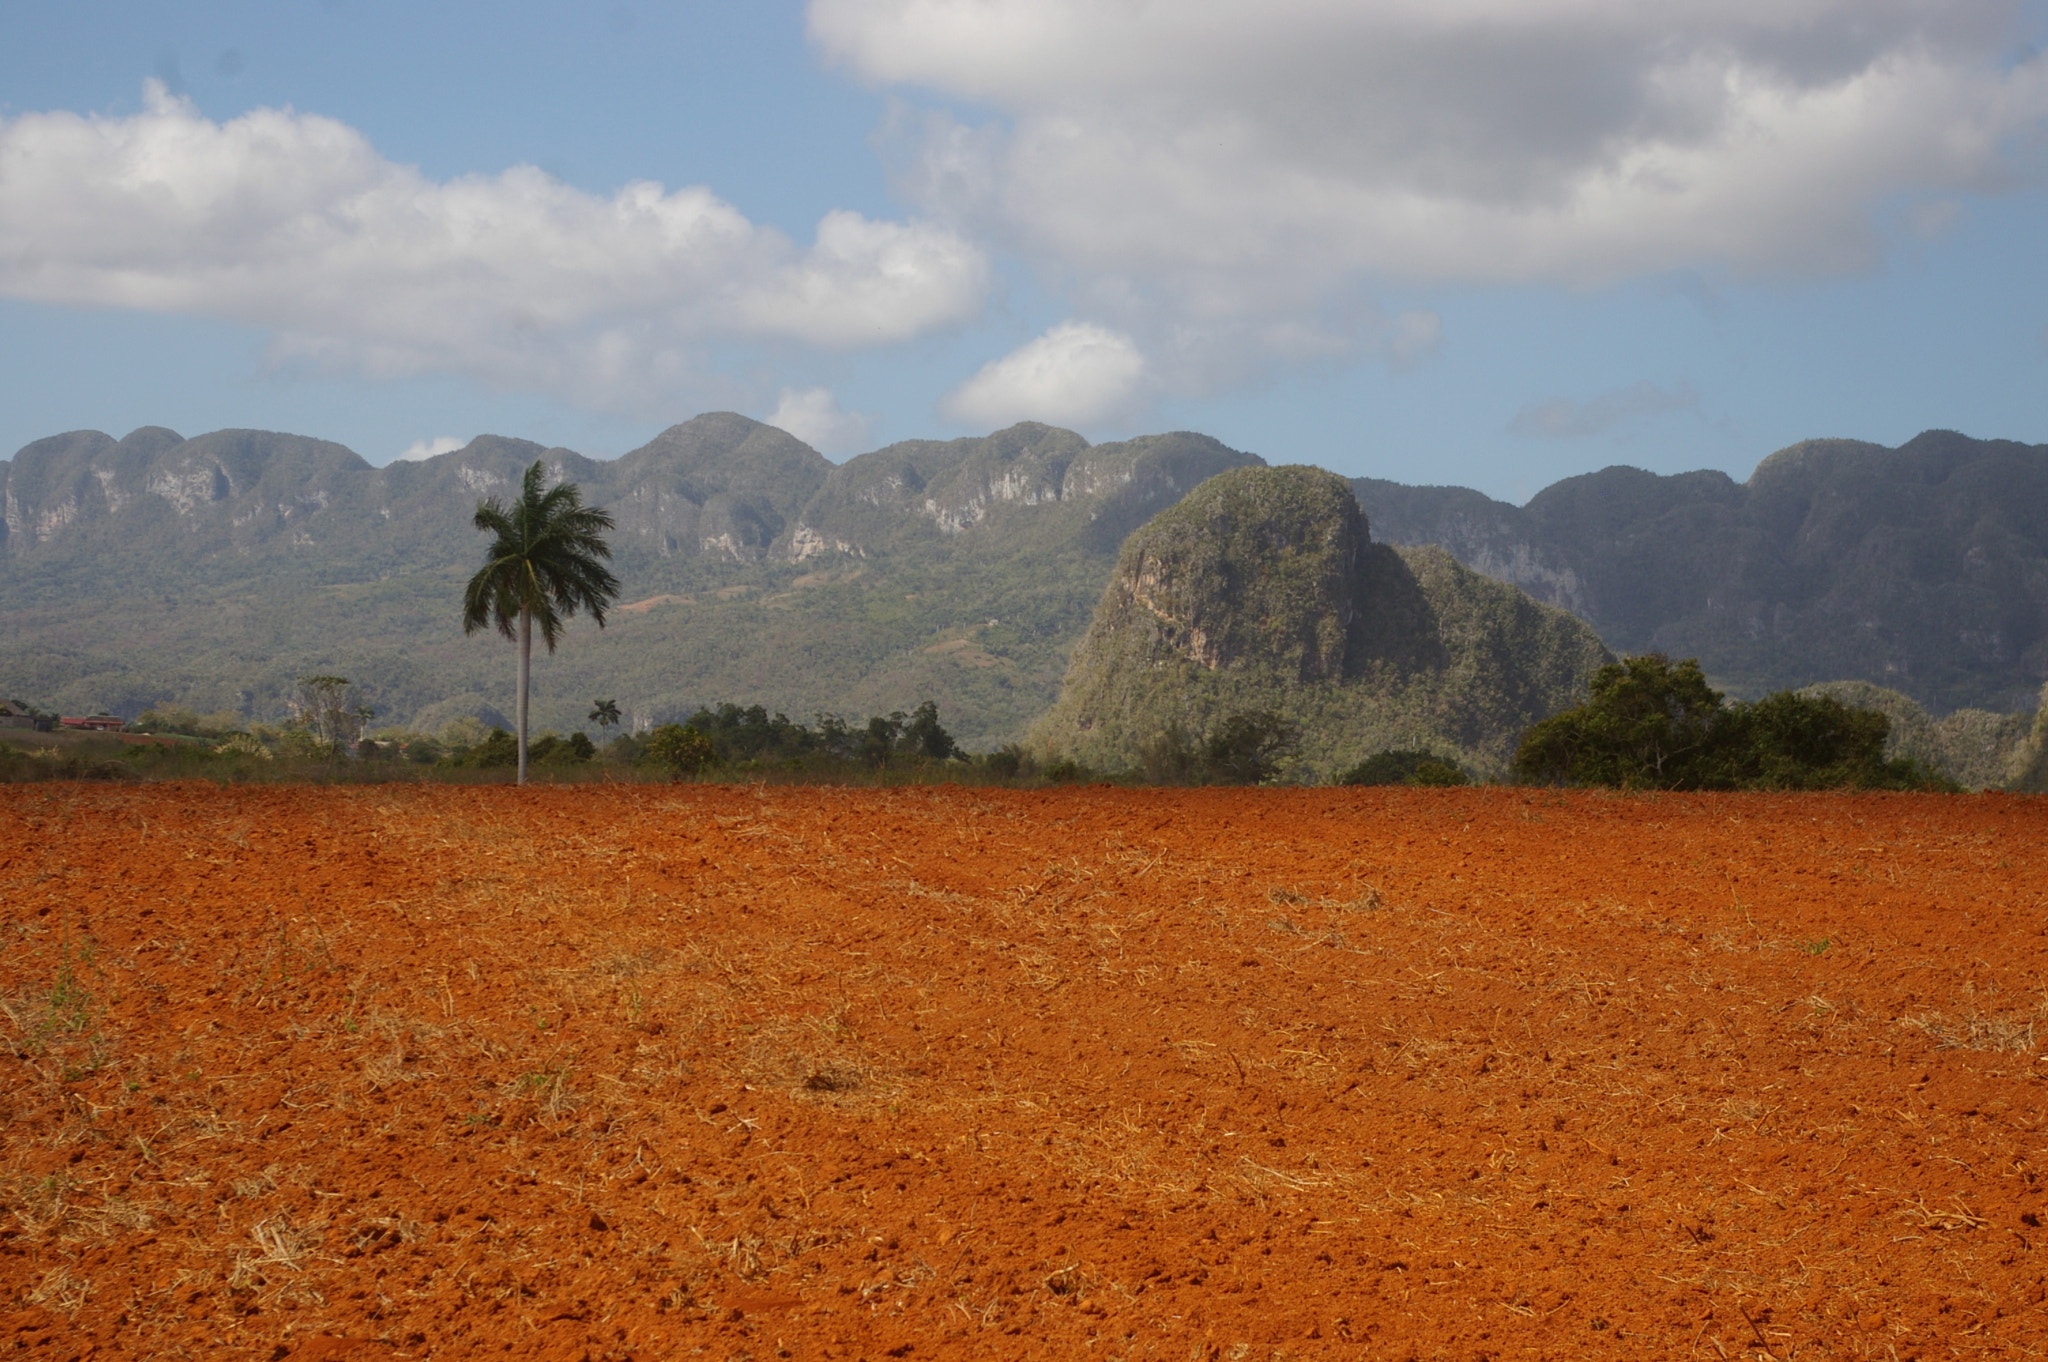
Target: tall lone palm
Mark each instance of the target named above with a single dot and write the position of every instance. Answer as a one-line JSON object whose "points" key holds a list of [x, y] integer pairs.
{"points": [[544, 564]]}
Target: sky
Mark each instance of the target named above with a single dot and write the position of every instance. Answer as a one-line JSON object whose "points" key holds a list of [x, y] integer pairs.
{"points": [[1481, 242]]}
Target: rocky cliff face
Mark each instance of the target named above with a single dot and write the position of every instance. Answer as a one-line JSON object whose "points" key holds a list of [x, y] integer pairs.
{"points": [[1262, 590], [721, 487], [1923, 569], [930, 490], [1266, 576]]}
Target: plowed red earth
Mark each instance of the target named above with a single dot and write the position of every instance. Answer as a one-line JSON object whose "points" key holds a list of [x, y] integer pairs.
{"points": [[710, 1071]]}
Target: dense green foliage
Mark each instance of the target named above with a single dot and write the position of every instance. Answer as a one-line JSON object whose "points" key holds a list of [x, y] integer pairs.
{"points": [[1405, 767], [751, 737], [2031, 773], [680, 750], [1976, 748], [1651, 724], [745, 742], [1246, 748]]}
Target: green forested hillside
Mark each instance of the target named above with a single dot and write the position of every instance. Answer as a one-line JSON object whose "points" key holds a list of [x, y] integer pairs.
{"points": [[211, 572], [1978, 749], [1262, 591]]}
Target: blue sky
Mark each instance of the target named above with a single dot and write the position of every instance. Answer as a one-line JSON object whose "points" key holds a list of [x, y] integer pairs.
{"points": [[1495, 242]]}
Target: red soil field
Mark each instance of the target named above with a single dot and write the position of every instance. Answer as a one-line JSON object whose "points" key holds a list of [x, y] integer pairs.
{"points": [[731, 1072]]}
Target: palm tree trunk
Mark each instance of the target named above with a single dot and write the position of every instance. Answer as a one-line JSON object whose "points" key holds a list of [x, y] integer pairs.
{"points": [[525, 673]]}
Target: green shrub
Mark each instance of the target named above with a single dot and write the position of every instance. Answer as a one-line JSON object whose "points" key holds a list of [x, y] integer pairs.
{"points": [[573, 749], [499, 748], [1008, 762], [1405, 767], [1248, 748], [681, 750], [1066, 772], [1439, 773], [751, 736]]}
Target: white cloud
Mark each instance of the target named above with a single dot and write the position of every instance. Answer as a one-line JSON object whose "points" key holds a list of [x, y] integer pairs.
{"points": [[431, 449], [1561, 418], [1076, 374], [1233, 171], [813, 416], [294, 223], [1413, 338]]}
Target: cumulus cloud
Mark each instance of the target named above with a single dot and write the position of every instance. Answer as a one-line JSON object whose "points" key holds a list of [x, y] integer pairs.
{"points": [[1561, 418], [813, 416], [294, 223], [1076, 374], [431, 449], [1232, 171]]}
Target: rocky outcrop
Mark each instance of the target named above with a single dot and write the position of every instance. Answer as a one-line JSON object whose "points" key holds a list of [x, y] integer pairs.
{"points": [[1263, 590], [1032, 475]]}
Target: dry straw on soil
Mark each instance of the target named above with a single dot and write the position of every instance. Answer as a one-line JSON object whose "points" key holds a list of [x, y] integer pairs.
{"points": [[825, 1073]]}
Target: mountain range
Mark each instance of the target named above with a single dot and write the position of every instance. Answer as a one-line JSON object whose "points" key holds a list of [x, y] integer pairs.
{"points": [[212, 571], [1923, 569]]}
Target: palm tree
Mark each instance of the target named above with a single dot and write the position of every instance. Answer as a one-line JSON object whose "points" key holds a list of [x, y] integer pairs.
{"points": [[545, 563], [604, 713]]}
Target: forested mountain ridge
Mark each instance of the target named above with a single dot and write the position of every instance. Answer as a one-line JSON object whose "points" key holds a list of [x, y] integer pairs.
{"points": [[1923, 568], [211, 571]]}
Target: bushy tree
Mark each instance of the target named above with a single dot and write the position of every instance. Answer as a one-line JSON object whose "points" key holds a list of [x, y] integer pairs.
{"points": [[1008, 762], [744, 733], [1789, 741], [1249, 748], [1648, 724], [498, 749], [751, 734], [330, 713], [681, 750], [922, 736], [1651, 724]]}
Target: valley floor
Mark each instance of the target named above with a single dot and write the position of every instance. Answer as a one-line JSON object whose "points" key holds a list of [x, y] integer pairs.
{"points": [[653, 1072]]}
